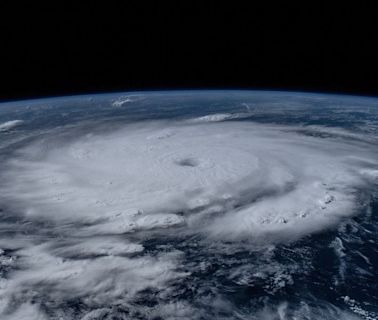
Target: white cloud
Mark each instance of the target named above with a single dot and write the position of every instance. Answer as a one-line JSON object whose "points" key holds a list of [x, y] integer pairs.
{"points": [[219, 117], [26, 311], [120, 101], [6, 126], [104, 279], [91, 201], [262, 179]]}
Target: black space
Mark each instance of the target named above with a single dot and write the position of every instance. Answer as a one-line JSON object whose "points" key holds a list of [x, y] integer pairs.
{"points": [[67, 47]]}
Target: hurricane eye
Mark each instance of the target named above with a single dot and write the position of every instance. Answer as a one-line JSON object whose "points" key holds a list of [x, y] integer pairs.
{"points": [[187, 162]]}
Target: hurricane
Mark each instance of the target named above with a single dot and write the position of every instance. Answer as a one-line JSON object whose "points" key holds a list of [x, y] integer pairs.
{"points": [[238, 210]]}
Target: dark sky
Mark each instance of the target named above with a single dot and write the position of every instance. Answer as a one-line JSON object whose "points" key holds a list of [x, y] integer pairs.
{"points": [[75, 47]]}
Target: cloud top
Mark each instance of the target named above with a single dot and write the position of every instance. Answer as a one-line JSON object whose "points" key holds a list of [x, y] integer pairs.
{"points": [[88, 207]]}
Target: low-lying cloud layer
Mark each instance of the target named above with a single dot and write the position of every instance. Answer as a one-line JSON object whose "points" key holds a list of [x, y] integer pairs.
{"points": [[85, 206]]}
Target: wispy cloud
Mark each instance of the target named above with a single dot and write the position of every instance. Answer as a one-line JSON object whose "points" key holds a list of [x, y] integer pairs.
{"points": [[6, 126]]}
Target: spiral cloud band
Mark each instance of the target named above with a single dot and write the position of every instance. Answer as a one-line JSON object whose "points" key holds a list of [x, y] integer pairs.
{"points": [[104, 195]]}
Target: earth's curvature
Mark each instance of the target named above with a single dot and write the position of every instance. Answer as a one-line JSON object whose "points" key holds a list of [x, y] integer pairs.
{"points": [[189, 205]]}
